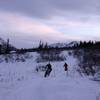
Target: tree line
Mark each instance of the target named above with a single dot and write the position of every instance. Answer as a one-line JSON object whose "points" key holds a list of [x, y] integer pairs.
{"points": [[7, 48], [88, 45]]}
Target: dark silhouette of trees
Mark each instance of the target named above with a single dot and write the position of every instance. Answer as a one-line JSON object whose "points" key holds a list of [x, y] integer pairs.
{"points": [[7, 47], [40, 45], [87, 45], [0, 49]]}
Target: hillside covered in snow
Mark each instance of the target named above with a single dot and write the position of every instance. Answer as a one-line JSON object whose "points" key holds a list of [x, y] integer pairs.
{"points": [[19, 80], [67, 44]]}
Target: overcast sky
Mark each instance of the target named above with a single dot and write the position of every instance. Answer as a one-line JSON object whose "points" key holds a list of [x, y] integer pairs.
{"points": [[26, 22]]}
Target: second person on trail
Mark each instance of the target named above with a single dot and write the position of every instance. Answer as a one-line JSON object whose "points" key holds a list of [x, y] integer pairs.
{"points": [[66, 67], [48, 70]]}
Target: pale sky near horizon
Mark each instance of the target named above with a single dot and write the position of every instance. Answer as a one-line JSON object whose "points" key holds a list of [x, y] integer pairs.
{"points": [[26, 22]]}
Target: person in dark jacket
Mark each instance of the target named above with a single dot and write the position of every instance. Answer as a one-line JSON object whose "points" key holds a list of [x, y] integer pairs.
{"points": [[48, 70], [66, 67]]}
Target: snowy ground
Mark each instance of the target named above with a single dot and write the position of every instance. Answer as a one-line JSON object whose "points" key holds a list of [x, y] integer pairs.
{"points": [[20, 81]]}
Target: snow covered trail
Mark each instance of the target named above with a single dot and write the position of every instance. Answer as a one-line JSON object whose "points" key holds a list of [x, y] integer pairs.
{"points": [[20, 82], [55, 89]]}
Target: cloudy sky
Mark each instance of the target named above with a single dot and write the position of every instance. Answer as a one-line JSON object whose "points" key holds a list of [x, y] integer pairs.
{"points": [[26, 22]]}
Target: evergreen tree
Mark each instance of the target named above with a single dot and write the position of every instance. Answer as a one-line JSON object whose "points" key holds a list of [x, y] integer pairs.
{"points": [[0, 49], [46, 46], [41, 45], [7, 47]]}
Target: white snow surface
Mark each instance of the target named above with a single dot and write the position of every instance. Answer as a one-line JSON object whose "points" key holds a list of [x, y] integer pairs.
{"points": [[20, 81]]}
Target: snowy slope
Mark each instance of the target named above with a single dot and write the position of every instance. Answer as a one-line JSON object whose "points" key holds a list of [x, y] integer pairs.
{"points": [[67, 44], [20, 81]]}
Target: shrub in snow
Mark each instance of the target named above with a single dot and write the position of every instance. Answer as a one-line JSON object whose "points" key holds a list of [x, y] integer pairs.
{"points": [[11, 58], [45, 56], [88, 60], [1, 59], [40, 68], [69, 53], [97, 75]]}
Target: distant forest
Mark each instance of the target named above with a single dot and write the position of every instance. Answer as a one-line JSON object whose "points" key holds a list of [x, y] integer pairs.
{"points": [[7, 48]]}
